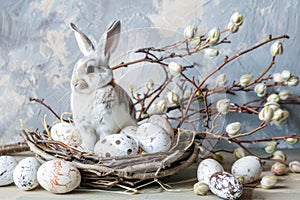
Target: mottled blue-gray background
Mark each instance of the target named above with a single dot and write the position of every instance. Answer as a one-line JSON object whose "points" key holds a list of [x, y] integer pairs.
{"points": [[38, 50]]}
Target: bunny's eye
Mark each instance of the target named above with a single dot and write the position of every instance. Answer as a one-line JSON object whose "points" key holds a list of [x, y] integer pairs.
{"points": [[90, 69]]}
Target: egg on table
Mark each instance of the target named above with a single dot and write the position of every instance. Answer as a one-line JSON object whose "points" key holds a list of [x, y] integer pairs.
{"points": [[248, 167], [25, 173], [58, 176], [116, 145], [225, 185], [206, 168], [7, 166]]}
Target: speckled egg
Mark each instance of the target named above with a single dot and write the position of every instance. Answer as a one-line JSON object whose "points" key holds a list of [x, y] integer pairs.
{"points": [[116, 145], [163, 122], [248, 167], [153, 138], [58, 176], [25, 173], [66, 133], [225, 185], [206, 168], [7, 166], [130, 131]]}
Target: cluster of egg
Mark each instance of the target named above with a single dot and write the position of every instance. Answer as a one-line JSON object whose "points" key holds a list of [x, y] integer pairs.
{"points": [[211, 174], [152, 136], [56, 176]]}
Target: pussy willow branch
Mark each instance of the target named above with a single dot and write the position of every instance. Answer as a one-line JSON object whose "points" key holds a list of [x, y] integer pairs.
{"points": [[261, 126], [225, 62], [171, 55], [267, 139], [228, 60], [258, 79], [236, 86], [150, 57]]}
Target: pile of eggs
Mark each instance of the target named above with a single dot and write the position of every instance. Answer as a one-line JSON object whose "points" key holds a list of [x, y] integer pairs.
{"points": [[56, 176], [211, 176], [152, 136]]}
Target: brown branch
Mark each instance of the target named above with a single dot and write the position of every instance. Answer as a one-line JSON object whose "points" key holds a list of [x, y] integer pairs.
{"points": [[267, 139], [228, 60], [41, 101], [258, 79], [14, 148], [261, 126], [204, 97]]}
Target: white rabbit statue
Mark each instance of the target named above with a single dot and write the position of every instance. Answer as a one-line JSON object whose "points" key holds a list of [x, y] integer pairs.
{"points": [[100, 106]]}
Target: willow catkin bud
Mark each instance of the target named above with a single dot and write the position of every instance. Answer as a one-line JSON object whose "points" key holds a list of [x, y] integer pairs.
{"points": [[201, 188], [223, 106], [233, 128], [276, 48], [268, 182]]}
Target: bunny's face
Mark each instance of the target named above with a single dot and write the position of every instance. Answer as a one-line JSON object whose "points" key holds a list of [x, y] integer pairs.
{"points": [[90, 73]]}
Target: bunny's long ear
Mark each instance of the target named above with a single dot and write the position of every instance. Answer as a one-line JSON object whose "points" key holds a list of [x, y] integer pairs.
{"points": [[84, 43], [110, 39]]}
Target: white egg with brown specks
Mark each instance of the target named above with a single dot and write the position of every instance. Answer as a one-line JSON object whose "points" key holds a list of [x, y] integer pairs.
{"points": [[225, 185], [248, 167], [58, 176], [7, 166], [116, 145], [25, 173], [153, 138], [206, 168]]}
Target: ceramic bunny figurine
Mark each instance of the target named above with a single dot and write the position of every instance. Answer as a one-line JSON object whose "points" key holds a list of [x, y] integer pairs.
{"points": [[99, 105]]}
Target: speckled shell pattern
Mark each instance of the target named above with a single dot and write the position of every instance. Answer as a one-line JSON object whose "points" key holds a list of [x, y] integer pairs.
{"points": [[225, 185]]}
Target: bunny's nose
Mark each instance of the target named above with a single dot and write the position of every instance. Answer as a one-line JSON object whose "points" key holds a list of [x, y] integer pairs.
{"points": [[75, 83]]}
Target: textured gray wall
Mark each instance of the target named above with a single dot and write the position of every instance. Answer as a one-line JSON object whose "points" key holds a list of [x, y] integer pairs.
{"points": [[38, 49]]}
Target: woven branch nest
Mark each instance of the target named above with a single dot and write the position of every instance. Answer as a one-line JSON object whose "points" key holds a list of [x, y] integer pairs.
{"points": [[128, 171]]}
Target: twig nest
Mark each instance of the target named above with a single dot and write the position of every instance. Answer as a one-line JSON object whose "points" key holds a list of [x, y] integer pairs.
{"points": [[66, 133], [225, 185], [116, 145], [206, 168], [248, 167], [25, 173], [7, 166], [58, 176], [153, 138]]}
